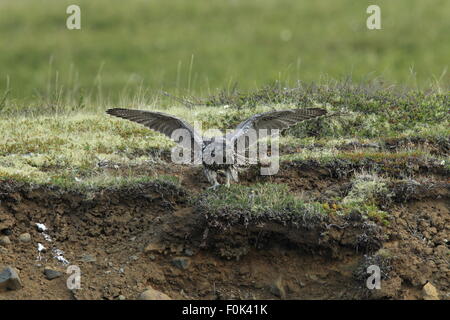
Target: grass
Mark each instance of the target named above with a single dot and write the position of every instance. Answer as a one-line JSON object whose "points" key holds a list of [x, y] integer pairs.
{"points": [[77, 150], [87, 147], [367, 110], [241, 204], [366, 191], [325, 156], [128, 51], [87, 151], [259, 202], [110, 182]]}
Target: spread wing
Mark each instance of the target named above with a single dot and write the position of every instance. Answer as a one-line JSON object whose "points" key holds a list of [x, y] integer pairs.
{"points": [[277, 119], [158, 121]]}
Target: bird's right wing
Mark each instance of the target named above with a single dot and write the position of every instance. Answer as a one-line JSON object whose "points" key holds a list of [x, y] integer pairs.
{"points": [[158, 121]]}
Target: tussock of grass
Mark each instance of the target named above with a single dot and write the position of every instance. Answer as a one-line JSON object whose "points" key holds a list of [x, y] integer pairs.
{"points": [[247, 205], [260, 202]]}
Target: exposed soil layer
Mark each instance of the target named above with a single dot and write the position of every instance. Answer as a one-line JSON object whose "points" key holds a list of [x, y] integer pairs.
{"points": [[150, 235]]}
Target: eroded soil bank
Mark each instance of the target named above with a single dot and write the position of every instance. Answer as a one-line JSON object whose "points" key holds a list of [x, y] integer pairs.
{"points": [[151, 235]]}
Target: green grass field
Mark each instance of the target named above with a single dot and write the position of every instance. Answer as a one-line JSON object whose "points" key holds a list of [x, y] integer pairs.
{"points": [[126, 52]]}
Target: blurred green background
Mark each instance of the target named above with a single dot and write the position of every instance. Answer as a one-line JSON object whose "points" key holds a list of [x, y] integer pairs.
{"points": [[137, 47]]}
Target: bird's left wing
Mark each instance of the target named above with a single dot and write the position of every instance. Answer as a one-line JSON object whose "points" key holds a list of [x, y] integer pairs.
{"points": [[158, 121], [277, 119]]}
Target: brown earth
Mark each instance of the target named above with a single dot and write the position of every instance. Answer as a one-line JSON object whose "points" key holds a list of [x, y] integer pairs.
{"points": [[127, 240]]}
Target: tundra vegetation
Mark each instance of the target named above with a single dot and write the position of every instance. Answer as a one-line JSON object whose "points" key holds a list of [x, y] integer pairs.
{"points": [[374, 135]]}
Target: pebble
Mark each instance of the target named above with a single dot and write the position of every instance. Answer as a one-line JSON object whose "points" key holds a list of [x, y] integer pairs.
{"points": [[277, 289], [154, 247], [51, 274], [181, 262], [9, 279], [88, 258], [25, 237], [152, 294], [4, 240], [121, 297], [430, 292]]}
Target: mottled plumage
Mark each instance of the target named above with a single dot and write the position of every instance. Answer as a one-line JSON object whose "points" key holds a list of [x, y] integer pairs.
{"points": [[167, 124]]}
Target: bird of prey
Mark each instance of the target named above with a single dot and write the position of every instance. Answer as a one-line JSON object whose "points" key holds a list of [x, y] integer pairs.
{"points": [[167, 124]]}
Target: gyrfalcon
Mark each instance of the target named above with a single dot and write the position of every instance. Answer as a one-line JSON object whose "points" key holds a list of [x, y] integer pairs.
{"points": [[208, 146]]}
